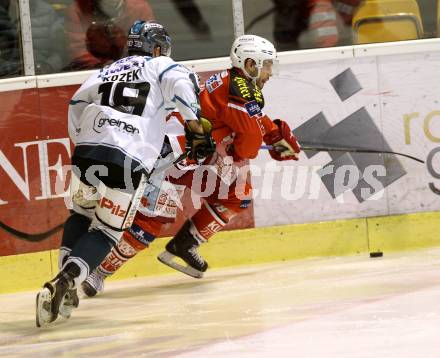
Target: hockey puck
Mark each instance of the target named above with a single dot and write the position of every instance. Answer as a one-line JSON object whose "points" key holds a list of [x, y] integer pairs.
{"points": [[376, 254]]}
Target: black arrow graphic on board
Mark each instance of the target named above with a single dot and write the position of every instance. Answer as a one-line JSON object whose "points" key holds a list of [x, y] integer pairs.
{"points": [[31, 237]]}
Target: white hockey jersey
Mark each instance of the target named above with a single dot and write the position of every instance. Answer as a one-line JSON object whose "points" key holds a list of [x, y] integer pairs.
{"points": [[118, 114]]}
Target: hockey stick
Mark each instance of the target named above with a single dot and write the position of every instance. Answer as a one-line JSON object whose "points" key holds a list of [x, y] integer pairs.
{"points": [[167, 166], [307, 146]]}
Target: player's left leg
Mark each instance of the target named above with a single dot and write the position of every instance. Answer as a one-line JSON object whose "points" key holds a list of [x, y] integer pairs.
{"points": [[84, 199], [140, 235], [113, 214], [214, 215], [159, 206]]}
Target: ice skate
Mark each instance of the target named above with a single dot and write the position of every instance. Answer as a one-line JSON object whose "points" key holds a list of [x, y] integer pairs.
{"points": [[184, 245], [51, 298], [94, 283], [70, 301]]}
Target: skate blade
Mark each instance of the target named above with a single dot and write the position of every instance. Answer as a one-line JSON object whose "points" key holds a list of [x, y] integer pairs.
{"points": [[43, 304], [65, 310], [167, 259]]}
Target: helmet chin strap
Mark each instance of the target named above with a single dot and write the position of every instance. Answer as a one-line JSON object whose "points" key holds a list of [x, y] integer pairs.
{"points": [[253, 78]]}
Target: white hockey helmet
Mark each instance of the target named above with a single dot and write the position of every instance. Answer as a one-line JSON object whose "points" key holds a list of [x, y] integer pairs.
{"points": [[254, 47]]}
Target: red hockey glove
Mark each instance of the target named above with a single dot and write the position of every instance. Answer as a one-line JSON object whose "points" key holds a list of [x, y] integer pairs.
{"points": [[285, 145]]}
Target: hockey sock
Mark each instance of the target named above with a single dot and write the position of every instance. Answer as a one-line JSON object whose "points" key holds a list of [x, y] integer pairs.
{"points": [[75, 226], [133, 241], [89, 252], [209, 220]]}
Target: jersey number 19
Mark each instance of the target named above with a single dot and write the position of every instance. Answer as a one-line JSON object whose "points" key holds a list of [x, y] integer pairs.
{"points": [[137, 103]]}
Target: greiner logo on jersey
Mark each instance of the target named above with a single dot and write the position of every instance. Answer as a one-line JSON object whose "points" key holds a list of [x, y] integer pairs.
{"points": [[114, 209], [100, 122]]}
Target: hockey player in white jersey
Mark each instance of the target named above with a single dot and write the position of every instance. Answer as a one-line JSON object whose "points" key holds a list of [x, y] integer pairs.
{"points": [[116, 120]]}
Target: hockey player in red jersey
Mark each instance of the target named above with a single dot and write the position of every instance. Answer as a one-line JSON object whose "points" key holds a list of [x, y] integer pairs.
{"points": [[232, 101]]}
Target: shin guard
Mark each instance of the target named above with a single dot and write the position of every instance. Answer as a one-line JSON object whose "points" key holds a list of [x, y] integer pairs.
{"points": [[210, 219]]}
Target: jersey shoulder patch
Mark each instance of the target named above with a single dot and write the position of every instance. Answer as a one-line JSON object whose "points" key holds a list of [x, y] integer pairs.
{"points": [[213, 82]]}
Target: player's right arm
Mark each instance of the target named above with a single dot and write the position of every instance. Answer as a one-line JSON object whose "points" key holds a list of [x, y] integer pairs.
{"points": [[180, 86], [243, 115]]}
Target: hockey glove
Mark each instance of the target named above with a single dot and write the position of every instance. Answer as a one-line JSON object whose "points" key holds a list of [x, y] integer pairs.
{"points": [[199, 146], [285, 145], [230, 151]]}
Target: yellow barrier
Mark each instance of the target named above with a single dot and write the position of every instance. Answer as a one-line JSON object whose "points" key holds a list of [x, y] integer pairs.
{"points": [[404, 232], [252, 246], [25, 272]]}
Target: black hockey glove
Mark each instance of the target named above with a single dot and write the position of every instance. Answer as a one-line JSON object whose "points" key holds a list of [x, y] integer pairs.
{"points": [[199, 146]]}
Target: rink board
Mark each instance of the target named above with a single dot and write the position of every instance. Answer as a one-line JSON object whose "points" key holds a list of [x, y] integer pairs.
{"points": [[385, 102], [254, 246], [362, 97]]}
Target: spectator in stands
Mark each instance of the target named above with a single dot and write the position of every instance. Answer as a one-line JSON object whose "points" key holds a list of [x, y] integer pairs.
{"points": [[96, 30], [47, 37], [290, 20], [324, 19], [10, 60], [193, 17]]}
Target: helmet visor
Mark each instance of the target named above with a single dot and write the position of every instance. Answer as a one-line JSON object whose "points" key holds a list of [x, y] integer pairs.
{"points": [[272, 66]]}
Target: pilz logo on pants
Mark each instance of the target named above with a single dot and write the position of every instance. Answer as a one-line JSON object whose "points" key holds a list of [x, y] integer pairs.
{"points": [[358, 130]]}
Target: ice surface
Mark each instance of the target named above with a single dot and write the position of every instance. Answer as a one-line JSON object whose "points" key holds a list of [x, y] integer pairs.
{"points": [[332, 307]]}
